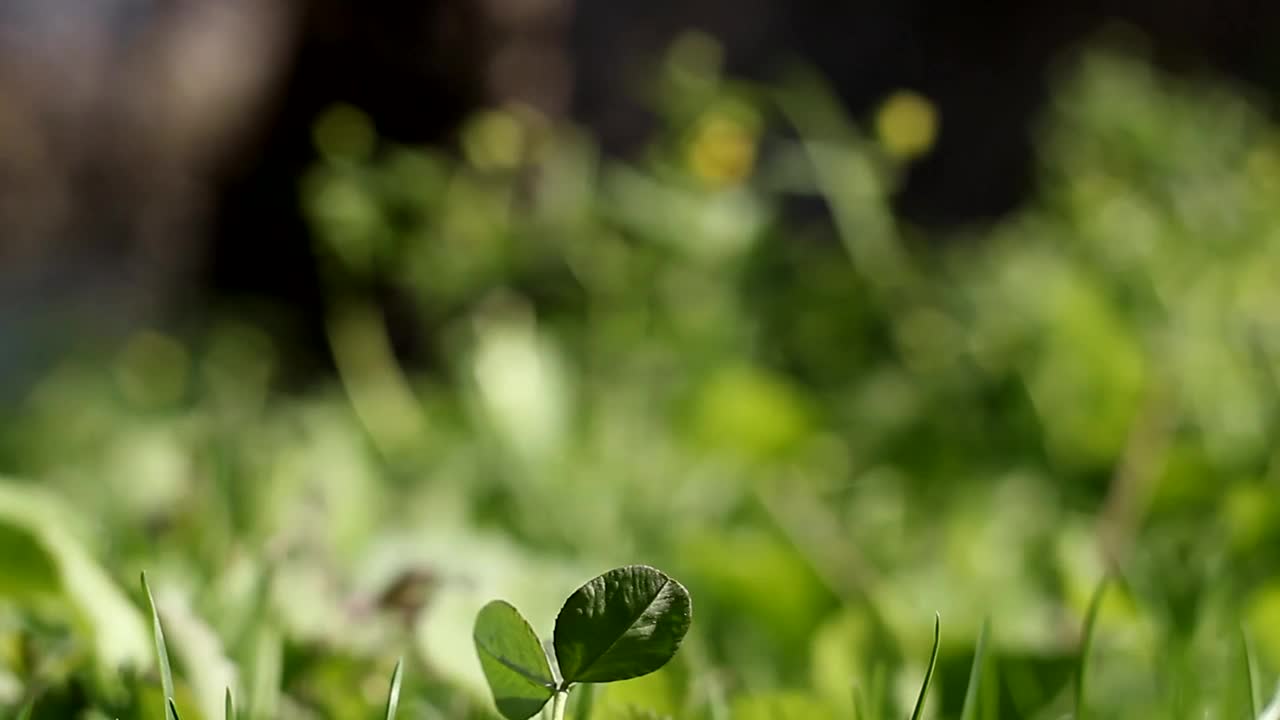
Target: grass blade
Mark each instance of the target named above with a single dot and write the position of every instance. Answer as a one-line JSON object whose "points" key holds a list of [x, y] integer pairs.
{"points": [[162, 653], [860, 711], [928, 674], [393, 697], [1272, 710], [868, 698], [25, 712], [1086, 644], [876, 692], [972, 695], [1250, 674], [231, 707]]}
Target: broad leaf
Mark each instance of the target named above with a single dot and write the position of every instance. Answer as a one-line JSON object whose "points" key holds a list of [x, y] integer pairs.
{"points": [[623, 624], [513, 661]]}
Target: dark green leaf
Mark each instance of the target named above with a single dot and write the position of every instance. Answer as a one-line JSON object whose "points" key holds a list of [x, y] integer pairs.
{"points": [[517, 669], [928, 674], [230, 707], [623, 624], [172, 709]]}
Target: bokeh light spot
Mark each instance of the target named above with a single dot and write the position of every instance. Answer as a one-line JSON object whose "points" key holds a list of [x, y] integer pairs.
{"points": [[907, 125]]}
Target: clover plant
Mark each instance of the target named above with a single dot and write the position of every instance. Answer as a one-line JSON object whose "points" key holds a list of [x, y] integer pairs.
{"points": [[620, 625]]}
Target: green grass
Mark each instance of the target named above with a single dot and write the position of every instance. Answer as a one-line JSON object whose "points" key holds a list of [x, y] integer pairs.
{"points": [[393, 694], [1086, 649], [1250, 674], [918, 712], [972, 697], [162, 653]]}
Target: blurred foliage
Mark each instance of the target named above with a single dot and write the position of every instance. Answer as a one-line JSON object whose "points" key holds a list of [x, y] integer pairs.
{"points": [[728, 359]]}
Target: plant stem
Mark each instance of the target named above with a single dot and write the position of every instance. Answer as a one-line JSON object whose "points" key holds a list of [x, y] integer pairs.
{"points": [[559, 703]]}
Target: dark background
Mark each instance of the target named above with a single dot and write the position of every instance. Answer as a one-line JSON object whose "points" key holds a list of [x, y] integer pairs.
{"points": [[136, 188]]}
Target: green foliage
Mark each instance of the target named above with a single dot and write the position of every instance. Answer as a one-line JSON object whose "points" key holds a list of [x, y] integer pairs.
{"points": [[726, 355], [620, 625], [229, 712], [47, 570]]}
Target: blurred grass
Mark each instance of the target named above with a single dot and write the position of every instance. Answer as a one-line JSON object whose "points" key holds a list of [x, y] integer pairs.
{"points": [[728, 359]]}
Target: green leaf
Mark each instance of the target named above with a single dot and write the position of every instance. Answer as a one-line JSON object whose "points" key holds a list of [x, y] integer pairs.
{"points": [[162, 652], [28, 568], [230, 713], [43, 560], [517, 669], [623, 624], [1086, 645], [971, 695], [393, 695], [928, 674], [25, 712]]}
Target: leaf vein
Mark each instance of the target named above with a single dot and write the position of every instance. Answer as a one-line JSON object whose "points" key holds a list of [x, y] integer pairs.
{"points": [[665, 582], [524, 673]]}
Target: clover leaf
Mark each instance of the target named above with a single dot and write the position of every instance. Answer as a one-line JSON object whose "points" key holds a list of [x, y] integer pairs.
{"points": [[513, 661], [623, 624]]}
